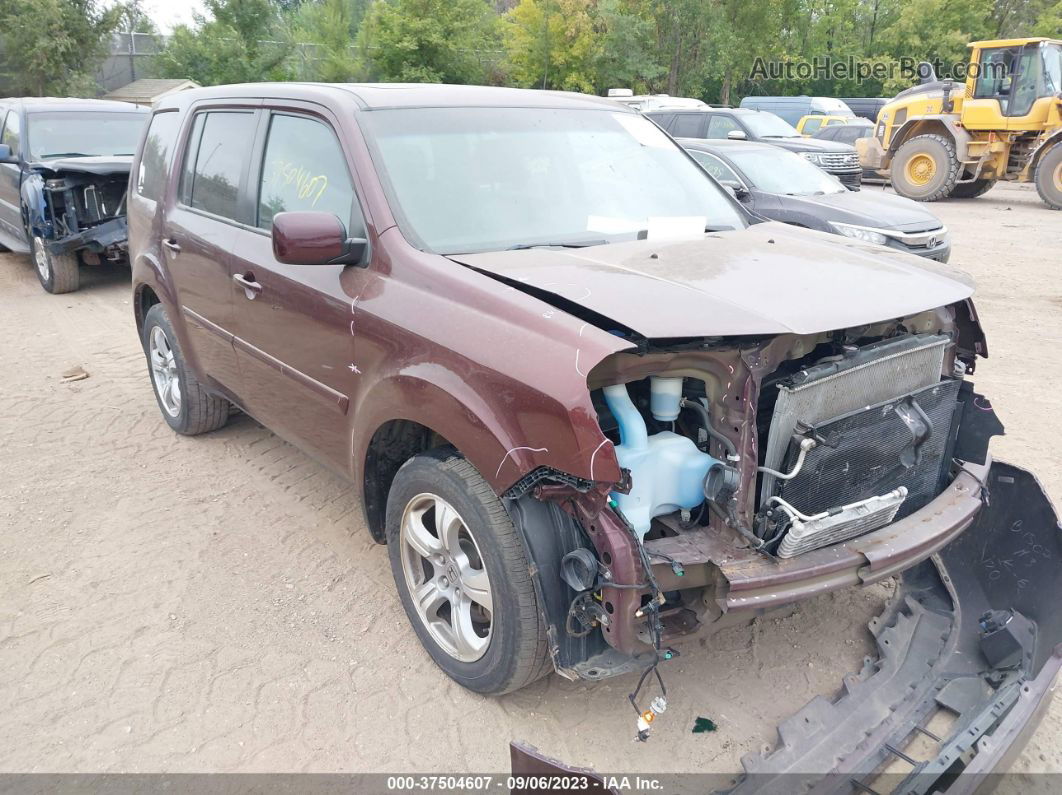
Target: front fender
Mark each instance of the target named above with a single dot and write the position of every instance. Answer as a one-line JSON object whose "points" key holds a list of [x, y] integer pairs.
{"points": [[504, 429], [35, 208]]}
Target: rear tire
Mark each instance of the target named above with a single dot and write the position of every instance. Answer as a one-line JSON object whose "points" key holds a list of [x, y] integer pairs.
{"points": [[58, 273], [971, 190], [451, 542], [925, 168], [186, 405], [1048, 177]]}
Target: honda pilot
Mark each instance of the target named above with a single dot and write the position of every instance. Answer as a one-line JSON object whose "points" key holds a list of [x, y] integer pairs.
{"points": [[592, 405]]}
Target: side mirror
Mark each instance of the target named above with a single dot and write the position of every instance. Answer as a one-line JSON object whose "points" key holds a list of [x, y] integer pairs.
{"points": [[315, 238], [736, 135], [5, 154], [739, 191]]}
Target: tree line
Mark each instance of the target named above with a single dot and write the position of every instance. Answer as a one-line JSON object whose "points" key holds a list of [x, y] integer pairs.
{"points": [[699, 48]]}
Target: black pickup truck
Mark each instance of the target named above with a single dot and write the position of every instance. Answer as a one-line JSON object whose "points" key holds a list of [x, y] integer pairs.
{"points": [[64, 170]]}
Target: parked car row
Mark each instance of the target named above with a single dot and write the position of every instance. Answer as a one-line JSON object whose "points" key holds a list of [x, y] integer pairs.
{"points": [[743, 124], [784, 187], [593, 403]]}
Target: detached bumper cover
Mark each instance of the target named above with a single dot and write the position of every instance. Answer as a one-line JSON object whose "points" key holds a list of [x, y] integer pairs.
{"points": [[934, 655]]}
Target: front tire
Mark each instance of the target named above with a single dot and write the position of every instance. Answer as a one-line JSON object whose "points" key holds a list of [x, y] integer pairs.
{"points": [[463, 575], [1048, 177], [186, 405], [925, 168], [58, 273], [971, 190]]}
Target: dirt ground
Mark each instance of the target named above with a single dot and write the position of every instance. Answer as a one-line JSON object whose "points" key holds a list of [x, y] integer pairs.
{"points": [[216, 604]]}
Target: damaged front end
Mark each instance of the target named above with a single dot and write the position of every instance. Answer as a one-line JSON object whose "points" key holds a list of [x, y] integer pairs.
{"points": [[79, 205], [759, 472], [968, 652]]}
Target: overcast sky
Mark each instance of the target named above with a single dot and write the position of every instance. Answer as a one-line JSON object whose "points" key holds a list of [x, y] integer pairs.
{"points": [[168, 13]]}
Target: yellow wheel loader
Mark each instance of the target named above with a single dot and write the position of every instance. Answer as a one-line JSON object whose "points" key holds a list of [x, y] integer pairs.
{"points": [[943, 138]]}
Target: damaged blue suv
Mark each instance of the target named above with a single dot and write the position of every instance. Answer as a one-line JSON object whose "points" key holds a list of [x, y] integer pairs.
{"points": [[64, 170]]}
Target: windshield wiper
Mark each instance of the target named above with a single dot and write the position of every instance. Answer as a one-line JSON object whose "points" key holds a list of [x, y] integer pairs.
{"points": [[64, 154], [547, 244]]}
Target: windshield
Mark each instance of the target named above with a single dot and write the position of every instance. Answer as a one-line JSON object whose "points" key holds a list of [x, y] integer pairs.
{"points": [[482, 179], [778, 171], [83, 134], [767, 125]]}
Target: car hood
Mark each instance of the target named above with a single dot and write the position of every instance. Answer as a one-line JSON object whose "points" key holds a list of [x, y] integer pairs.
{"points": [[768, 279], [868, 208], [102, 165], [809, 145]]}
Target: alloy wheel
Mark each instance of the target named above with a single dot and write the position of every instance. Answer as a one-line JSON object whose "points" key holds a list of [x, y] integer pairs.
{"points": [[446, 577], [164, 371], [40, 259]]}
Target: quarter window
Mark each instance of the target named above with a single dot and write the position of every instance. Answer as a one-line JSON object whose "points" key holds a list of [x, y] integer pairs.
{"points": [[304, 169], [12, 128], [155, 157], [218, 153]]}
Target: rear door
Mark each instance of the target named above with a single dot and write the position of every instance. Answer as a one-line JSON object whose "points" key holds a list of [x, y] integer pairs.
{"points": [[295, 326], [11, 177], [199, 230]]}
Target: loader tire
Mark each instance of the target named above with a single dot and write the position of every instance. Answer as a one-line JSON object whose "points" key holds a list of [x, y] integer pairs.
{"points": [[1048, 177], [925, 168], [971, 190]]}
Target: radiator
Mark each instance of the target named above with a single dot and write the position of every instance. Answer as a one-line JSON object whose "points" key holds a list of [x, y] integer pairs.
{"points": [[870, 376]]}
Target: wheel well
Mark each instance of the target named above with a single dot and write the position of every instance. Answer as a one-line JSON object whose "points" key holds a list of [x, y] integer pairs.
{"points": [[394, 443], [145, 299], [913, 129]]}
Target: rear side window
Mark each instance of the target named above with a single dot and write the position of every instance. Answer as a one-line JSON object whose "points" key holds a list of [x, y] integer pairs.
{"points": [[687, 125], [12, 129], [304, 169], [155, 159], [218, 153]]}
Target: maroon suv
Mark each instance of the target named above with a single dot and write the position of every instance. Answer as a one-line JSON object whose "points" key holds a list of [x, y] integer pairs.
{"points": [[591, 404]]}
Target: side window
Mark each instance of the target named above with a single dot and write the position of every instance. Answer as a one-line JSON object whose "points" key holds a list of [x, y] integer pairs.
{"points": [[155, 157], [12, 129], [996, 73], [303, 168], [810, 125], [687, 125], [714, 166], [720, 124], [218, 152]]}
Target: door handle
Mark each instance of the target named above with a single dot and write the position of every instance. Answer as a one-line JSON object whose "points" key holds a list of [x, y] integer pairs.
{"points": [[250, 286], [172, 246]]}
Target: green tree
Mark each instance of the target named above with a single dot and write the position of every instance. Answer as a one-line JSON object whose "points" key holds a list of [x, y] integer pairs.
{"points": [[628, 57], [54, 46], [553, 44], [323, 33], [240, 42], [432, 41]]}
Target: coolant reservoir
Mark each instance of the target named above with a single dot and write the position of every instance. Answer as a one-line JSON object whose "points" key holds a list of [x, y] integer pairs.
{"points": [[667, 470]]}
